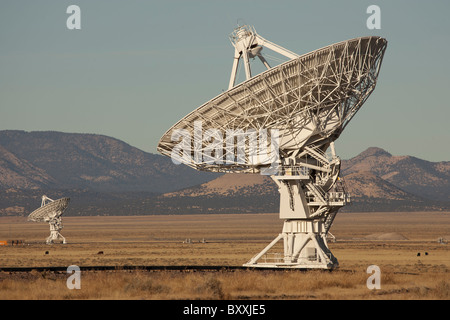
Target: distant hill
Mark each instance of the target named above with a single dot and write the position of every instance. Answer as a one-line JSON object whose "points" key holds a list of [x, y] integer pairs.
{"points": [[56, 160], [375, 180], [103, 175], [230, 185], [19, 173], [429, 180], [100, 174], [241, 193]]}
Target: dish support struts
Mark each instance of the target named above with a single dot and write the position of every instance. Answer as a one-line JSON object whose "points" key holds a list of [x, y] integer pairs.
{"points": [[305, 103], [311, 193]]}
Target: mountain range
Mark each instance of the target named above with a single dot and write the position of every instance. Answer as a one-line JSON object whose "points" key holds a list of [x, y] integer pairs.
{"points": [[375, 180], [56, 160], [100, 174], [104, 175]]}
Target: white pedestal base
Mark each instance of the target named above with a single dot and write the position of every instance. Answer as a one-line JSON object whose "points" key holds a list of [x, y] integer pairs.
{"points": [[302, 249]]}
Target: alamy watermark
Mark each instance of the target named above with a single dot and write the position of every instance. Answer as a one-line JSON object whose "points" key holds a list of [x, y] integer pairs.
{"points": [[251, 147], [74, 280], [374, 281], [374, 20], [73, 22]]}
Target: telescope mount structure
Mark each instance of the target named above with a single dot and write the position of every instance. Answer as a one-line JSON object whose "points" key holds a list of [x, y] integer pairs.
{"points": [[305, 102], [51, 212]]}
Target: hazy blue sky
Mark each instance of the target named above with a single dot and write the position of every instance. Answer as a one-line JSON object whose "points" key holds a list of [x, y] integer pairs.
{"points": [[137, 67]]}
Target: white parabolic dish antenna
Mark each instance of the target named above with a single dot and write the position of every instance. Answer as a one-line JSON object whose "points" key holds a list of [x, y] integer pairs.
{"points": [[291, 115], [51, 212]]}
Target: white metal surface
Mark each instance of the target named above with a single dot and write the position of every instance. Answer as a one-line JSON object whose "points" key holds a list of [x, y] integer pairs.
{"points": [[51, 212], [307, 101]]}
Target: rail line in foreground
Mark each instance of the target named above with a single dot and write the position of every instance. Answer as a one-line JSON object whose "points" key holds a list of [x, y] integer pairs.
{"points": [[151, 268]]}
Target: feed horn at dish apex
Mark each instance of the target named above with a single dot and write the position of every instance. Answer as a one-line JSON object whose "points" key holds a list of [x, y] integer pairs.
{"points": [[283, 122]]}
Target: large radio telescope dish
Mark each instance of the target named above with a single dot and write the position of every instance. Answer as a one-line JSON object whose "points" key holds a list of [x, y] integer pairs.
{"points": [[305, 104], [51, 212]]}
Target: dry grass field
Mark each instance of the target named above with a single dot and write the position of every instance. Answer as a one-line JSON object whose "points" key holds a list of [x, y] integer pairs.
{"points": [[388, 240]]}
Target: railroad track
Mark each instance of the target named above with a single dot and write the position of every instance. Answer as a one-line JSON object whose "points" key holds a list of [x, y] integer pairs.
{"points": [[149, 268]]}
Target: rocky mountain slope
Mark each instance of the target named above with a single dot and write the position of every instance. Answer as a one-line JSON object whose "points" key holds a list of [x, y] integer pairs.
{"points": [[56, 160], [103, 175], [430, 180], [375, 180]]}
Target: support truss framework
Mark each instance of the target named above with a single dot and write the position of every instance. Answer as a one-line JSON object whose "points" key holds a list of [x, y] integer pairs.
{"points": [[51, 212], [308, 100]]}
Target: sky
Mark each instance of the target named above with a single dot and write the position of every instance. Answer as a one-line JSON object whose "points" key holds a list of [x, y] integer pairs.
{"points": [[137, 67]]}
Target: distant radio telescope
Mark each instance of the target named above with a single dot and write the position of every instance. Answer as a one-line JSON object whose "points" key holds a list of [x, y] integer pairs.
{"points": [[305, 103], [51, 212]]}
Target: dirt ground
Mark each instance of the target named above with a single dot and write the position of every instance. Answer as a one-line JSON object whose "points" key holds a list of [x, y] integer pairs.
{"points": [[403, 245]]}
